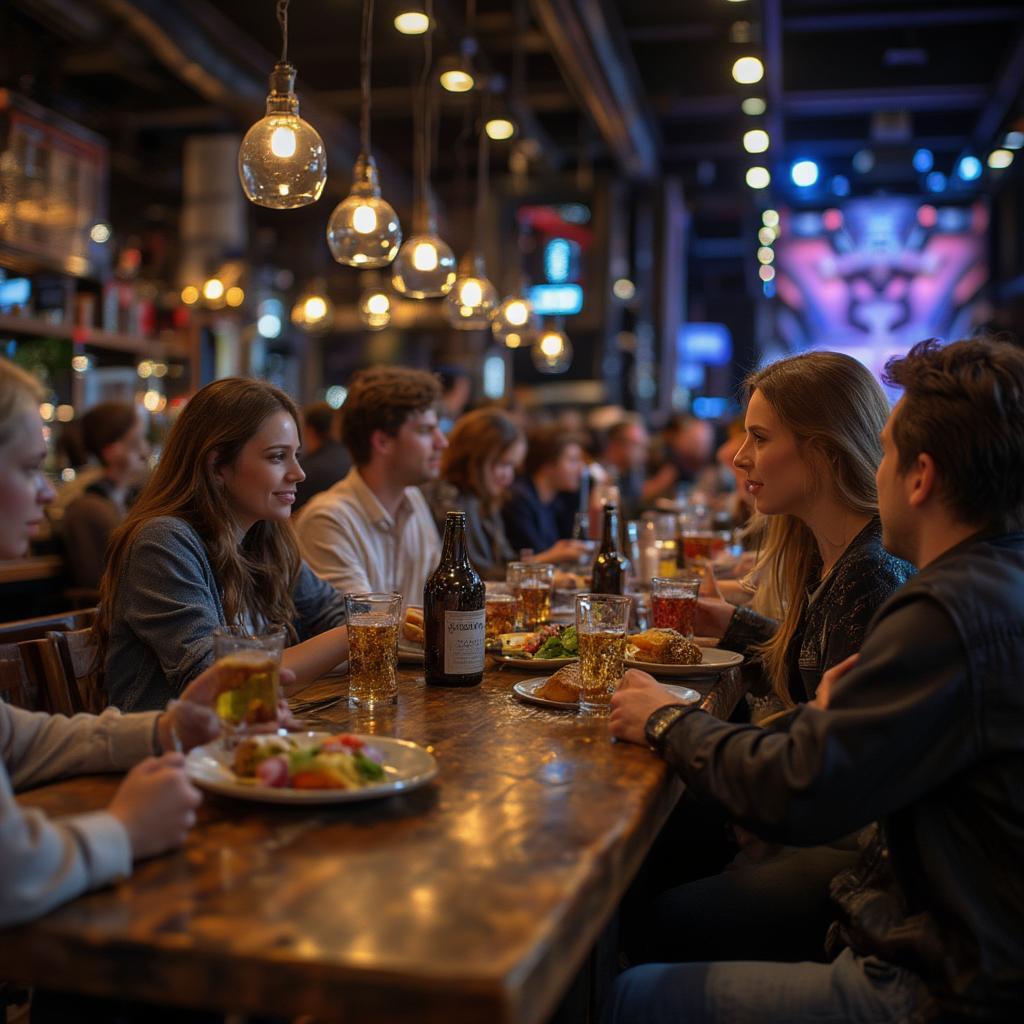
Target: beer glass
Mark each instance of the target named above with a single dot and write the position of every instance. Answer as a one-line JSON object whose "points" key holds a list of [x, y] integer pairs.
{"points": [[248, 673], [373, 624], [500, 611], [601, 624], [531, 584], [674, 603]]}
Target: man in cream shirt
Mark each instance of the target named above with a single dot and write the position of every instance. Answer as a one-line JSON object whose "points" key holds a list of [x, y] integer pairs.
{"points": [[373, 530]]}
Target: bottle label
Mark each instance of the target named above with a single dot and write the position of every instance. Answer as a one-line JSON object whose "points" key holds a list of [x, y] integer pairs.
{"points": [[464, 642]]}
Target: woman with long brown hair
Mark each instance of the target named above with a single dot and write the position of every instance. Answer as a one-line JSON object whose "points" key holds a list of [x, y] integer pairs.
{"points": [[209, 543]]}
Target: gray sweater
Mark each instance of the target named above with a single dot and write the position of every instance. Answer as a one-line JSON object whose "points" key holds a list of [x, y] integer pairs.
{"points": [[168, 605]]}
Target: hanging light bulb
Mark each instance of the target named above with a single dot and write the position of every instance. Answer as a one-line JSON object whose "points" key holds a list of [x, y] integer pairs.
{"points": [[473, 298], [514, 322], [282, 163], [457, 73], [553, 351], [411, 21], [375, 308], [425, 265], [314, 311], [363, 230]]}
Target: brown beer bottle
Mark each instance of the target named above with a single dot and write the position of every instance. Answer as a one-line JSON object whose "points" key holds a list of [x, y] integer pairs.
{"points": [[610, 567], [453, 614]]}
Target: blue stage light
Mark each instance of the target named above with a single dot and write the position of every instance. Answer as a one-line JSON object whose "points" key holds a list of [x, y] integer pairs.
{"points": [[935, 182], [923, 161], [969, 168]]}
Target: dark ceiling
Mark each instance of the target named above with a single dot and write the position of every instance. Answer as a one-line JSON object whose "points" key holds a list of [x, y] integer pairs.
{"points": [[639, 86]]}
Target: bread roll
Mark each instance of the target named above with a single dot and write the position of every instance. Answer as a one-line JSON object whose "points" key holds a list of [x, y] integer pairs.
{"points": [[563, 686]]}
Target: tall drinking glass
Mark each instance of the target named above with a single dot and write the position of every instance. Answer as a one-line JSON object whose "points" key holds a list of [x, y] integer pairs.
{"points": [[674, 603], [373, 623], [249, 673], [601, 624], [531, 583]]}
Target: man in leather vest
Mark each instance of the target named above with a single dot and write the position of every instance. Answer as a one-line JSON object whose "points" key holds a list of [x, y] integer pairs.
{"points": [[924, 734]]}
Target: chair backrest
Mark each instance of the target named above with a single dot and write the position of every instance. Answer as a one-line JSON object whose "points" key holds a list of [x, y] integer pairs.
{"points": [[78, 656], [37, 628], [23, 681]]}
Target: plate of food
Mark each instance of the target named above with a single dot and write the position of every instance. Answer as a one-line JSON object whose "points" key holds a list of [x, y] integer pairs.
{"points": [[410, 642], [548, 647], [562, 690], [311, 767], [666, 652]]}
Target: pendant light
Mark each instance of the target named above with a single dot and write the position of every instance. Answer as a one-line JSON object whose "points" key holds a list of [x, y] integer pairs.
{"points": [[282, 163], [425, 265], [473, 298], [553, 351], [375, 305], [456, 73], [363, 230], [313, 311]]}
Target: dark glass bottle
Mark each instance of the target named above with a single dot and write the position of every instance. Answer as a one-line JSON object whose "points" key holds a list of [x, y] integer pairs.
{"points": [[610, 567], [453, 614]]}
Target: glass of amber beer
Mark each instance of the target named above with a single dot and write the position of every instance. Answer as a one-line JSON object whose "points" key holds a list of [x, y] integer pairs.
{"points": [[531, 583], [373, 625], [248, 671], [601, 624]]}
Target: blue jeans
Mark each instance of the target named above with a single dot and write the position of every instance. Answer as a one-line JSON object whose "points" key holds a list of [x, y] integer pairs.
{"points": [[850, 990]]}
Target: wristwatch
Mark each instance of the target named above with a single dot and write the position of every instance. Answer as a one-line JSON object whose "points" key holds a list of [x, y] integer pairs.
{"points": [[661, 720]]}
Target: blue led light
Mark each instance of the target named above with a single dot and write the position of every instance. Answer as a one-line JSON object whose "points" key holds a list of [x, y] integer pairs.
{"points": [[923, 161], [841, 185], [804, 173], [969, 168], [935, 182], [558, 260], [556, 299]]}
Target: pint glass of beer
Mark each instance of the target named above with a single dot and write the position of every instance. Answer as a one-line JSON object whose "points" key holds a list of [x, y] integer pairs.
{"points": [[373, 625], [674, 603], [248, 670], [601, 624], [531, 583]]}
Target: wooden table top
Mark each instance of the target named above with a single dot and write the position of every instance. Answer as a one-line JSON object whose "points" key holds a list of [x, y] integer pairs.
{"points": [[474, 898]]}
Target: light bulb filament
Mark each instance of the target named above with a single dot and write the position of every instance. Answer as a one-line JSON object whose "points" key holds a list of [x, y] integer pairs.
{"points": [[424, 257], [364, 220], [283, 142]]}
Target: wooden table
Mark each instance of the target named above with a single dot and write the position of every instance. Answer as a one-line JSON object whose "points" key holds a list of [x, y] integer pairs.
{"points": [[475, 898]]}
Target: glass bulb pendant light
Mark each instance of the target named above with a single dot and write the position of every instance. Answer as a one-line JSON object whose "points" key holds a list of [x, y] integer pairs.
{"points": [[313, 311], [425, 265], [282, 163], [471, 302], [553, 351], [375, 308], [364, 230], [473, 298], [514, 323]]}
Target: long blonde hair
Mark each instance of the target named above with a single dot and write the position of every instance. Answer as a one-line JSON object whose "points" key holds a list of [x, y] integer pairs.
{"points": [[257, 577], [19, 391], [836, 410]]}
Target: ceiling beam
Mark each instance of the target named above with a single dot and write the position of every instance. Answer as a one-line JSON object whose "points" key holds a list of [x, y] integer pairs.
{"points": [[598, 68], [918, 99], [920, 18], [818, 147], [1006, 89]]}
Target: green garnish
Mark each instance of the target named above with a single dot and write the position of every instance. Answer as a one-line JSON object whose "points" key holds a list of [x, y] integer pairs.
{"points": [[368, 769], [565, 645]]}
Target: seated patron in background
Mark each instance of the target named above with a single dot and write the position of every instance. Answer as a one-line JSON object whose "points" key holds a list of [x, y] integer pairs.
{"points": [[114, 434], [626, 451], [373, 531], [925, 733], [684, 458], [45, 862], [210, 543], [456, 391], [554, 466], [477, 468], [324, 458]]}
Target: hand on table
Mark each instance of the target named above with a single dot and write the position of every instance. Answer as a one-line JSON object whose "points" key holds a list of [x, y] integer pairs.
{"points": [[637, 697], [563, 551], [156, 804], [823, 694], [192, 720]]}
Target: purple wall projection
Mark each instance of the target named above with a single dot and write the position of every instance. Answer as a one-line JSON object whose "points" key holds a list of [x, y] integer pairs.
{"points": [[873, 276]]}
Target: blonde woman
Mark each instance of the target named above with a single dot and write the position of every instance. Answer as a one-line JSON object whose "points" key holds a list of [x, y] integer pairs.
{"points": [[209, 543], [808, 460]]}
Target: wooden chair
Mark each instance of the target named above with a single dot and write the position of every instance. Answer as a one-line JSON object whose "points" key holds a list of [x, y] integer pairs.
{"points": [[77, 657], [15, 686], [37, 628]]}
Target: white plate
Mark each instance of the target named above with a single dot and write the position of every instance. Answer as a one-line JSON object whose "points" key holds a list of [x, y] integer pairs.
{"points": [[406, 767], [715, 660], [526, 690], [525, 662]]}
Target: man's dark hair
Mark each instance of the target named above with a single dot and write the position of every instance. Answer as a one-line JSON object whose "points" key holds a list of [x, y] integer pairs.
{"points": [[383, 398], [106, 423], [321, 417], [448, 375], [963, 404], [545, 445], [618, 430]]}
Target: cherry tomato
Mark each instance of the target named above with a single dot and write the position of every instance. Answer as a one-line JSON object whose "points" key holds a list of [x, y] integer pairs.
{"points": [[273, 772]]}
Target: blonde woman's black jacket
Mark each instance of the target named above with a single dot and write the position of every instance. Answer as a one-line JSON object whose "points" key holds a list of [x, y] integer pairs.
{"points": [[926, 736]]}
